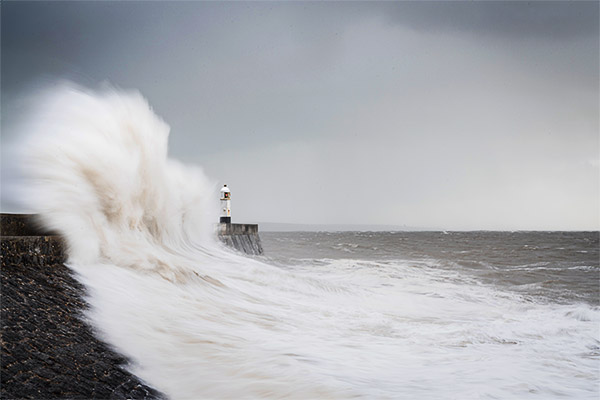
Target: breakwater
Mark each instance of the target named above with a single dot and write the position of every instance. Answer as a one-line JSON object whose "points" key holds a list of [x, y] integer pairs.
{"points": [[47, 348], [242, 237]]}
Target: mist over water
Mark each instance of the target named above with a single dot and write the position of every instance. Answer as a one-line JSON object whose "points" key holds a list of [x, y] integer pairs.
{"points": [[348, 315]]}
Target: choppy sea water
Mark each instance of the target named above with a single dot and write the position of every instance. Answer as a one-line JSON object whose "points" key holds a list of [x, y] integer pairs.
{"points": [[322, 315], [553, 267], [480, 314]]}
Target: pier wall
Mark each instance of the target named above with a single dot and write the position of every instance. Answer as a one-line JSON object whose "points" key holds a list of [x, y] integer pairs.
{"points": [[47, 350], [242, 237]]}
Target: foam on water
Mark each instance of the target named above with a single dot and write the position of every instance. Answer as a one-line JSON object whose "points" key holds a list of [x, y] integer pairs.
{"points": [[198, 321]]}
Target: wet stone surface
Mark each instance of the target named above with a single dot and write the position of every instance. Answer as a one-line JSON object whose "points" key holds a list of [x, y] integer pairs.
{"points": [[47, 351], [247, 243], [21, 225]]}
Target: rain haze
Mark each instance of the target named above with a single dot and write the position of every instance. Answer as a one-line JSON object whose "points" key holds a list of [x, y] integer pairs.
{"points": [[457, 116]]}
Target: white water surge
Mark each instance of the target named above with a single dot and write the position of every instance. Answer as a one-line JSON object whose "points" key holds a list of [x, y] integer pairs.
{"points": [[198, 321]]}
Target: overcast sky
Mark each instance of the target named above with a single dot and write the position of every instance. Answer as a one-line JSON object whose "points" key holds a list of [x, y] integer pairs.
{"points": [[438, 115]]}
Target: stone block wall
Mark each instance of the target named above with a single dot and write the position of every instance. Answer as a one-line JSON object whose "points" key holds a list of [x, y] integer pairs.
{"points": [[242, 237], [48, 351]]}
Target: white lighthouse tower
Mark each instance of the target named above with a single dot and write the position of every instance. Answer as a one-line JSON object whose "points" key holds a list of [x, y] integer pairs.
{"points": [[225, 205]]}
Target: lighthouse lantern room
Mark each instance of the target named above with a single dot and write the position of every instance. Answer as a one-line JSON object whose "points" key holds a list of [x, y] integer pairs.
{"points": [[225, 205]]}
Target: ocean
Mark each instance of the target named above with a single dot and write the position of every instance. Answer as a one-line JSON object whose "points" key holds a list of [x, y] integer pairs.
{"points": [[389, 315], [553, 267], [476, 314]]}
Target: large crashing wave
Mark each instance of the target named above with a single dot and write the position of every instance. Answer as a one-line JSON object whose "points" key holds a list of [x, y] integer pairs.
{"points": [[195, 319], [99, 174], [200, 322]]}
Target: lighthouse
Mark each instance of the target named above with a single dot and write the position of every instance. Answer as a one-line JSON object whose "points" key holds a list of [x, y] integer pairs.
{"points": [[225, 205]]}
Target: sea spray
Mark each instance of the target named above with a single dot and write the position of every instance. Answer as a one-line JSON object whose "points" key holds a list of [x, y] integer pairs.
{"points": [[198, 321]]}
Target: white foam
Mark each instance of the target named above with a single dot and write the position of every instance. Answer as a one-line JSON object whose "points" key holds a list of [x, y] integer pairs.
{"points": [[200, 322]]}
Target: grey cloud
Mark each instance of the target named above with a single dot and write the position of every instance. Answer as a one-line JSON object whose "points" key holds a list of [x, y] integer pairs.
{"points": [[547, 20], [455, 106]]}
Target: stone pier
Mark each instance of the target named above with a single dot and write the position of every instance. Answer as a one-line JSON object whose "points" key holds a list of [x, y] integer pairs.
{"points": [[48, 351], [242, 237]]}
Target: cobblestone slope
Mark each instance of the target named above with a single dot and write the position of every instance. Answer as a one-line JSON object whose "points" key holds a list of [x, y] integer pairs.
{"points": [[48, 351]]}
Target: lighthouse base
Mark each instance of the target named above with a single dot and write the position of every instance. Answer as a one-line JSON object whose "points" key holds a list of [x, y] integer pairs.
{"points": [[225, 220], [242, 237]]}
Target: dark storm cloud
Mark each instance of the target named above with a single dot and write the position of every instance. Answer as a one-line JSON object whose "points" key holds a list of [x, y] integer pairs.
{"points": [[469, 114], [58, 37], [511, 19]]}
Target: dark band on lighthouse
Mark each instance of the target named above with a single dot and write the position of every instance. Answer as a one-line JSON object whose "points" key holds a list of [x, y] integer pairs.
{"points": [[225, 217]]}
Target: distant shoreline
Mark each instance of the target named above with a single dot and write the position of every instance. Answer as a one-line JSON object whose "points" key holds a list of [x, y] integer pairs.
{"points": [[288, 227]]}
